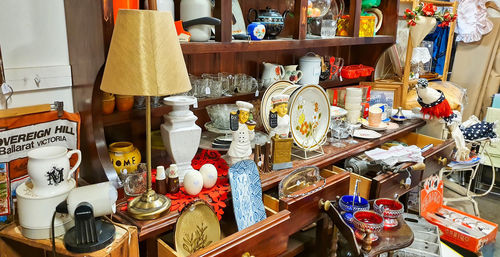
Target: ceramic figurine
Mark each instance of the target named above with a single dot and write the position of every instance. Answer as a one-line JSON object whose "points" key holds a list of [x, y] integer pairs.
{"points": [[256, 31], [242, 133], [278, 117], [161, 180], [173, 180], [209, 174]]}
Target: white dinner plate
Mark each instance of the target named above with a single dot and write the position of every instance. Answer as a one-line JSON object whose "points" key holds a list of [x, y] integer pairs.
{"points": [[266, 105]]}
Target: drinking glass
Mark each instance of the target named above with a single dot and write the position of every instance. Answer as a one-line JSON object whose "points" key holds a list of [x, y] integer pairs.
{"points": [[135, 183], [328, 28], [337, 131], [227, 81], [350, 128]]}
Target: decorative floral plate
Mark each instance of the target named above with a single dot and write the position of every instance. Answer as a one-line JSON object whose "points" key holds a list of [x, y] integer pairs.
{"points": [[247, 194], [309, 112], [266, 105], [196, 228]]}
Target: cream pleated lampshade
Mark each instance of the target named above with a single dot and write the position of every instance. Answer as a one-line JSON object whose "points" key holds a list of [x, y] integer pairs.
{"points": [[145, 57]]}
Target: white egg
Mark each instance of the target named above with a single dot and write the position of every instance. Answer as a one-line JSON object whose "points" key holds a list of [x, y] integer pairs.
{"points": [[193, 182], [209, 173]]}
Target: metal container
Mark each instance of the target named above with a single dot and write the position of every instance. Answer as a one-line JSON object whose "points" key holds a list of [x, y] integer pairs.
{"points": [[310, 65], [426, 238]]}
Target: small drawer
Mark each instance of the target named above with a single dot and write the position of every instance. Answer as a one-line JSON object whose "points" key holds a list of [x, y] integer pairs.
{"points": [[304, 209], [266, 238], [389, 184], [363, 186]]}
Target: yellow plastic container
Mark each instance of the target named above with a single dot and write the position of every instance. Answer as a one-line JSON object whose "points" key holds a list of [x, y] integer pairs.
{"points": [[124, 155]]}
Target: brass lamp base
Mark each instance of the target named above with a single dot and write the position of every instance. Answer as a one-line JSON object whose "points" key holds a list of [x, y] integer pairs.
{"points": [[148, 206]]}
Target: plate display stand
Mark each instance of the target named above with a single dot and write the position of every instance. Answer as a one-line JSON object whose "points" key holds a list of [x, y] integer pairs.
{"points": [[305, 154]]}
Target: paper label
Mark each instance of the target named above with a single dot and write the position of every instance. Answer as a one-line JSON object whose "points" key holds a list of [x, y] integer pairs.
{"points": [[6, 89], [207, 90], [257, 93], [195, 105]]}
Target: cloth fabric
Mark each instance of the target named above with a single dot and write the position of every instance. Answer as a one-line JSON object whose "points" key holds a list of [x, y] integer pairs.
{"points": [[480, 130], [420, 54], [440, 39], [215, 196], [477, 69], [472, 20]]}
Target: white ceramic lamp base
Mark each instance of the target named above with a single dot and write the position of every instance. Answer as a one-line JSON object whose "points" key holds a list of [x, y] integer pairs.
{"points": [[181, 136]]}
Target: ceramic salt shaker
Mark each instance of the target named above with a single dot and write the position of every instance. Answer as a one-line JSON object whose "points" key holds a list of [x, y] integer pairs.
{"points": [[209, 174], [193, 182], [161, 180], [173, 180]]}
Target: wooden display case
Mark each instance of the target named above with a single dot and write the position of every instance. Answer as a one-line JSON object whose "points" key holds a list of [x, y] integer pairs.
{"points": [[89, 25]]}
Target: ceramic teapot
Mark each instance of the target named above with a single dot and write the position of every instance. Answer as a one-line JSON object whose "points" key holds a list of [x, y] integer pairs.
{"points": [[49, 170], [272, 19], [272, 73]]}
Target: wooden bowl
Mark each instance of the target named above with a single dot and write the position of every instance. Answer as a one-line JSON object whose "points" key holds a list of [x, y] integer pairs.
{"points": [[124, 103], [108, 106]]}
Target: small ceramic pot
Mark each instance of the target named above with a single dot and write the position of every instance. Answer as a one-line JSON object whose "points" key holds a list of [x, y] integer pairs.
{"points": [[390, 209], [256, 31], [124, 103], [49, 169], [108, 105], [124, 155], [292, 74]]}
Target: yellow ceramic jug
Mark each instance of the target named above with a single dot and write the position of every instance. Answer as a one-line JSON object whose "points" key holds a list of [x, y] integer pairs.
{"points": [[124, 155]]}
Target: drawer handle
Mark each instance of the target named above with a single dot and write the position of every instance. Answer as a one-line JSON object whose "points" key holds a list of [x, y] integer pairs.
{"points": [[442, 161], [247, 254]]}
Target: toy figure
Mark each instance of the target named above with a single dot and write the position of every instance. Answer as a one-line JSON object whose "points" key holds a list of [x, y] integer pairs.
{"points": [[278, 118], [242, 131]]}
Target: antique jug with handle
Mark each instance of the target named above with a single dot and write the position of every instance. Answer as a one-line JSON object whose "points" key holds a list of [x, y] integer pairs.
{"points": [[272, 73], [292, 74], [49, 169]]}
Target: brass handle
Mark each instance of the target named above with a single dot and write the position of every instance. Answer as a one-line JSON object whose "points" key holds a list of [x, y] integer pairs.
{"points": [[404, 184], [442, 161], [324, 204], [418, 166], [247, 254]]}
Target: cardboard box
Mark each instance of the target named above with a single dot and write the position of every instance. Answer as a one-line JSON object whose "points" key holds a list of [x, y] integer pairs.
{"points": [[456, 231]]}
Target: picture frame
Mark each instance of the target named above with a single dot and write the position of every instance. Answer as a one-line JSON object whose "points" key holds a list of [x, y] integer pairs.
{"points": [[385, 92]]}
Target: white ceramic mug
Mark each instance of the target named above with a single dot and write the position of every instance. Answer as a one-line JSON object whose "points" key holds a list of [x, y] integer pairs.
{"points": [[48, 168]]}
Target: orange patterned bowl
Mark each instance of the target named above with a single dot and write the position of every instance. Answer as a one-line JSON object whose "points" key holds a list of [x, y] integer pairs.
{"points": [[124, 102]]}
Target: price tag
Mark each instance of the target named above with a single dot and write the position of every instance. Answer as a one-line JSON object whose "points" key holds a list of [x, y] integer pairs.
{"points": [[207, 90], [195, 105], [6, 89], [341, 79], [408, 181], [257, 93]]}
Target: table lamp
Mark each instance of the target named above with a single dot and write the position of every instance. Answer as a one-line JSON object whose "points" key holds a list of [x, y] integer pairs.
{"points": [[145, 59]]}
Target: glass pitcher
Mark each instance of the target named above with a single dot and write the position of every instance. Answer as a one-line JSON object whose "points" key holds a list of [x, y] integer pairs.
{"points": [[329, 21]]}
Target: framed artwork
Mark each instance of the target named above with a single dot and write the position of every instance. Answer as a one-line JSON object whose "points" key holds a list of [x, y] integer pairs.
{"points": [[386, 93]]}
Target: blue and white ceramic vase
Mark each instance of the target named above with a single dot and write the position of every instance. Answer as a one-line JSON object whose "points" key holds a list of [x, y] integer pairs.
{"points": [[256, 30]]}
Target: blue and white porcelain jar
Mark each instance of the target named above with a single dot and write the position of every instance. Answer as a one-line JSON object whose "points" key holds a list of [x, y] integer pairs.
{"points": [[256, 31]]}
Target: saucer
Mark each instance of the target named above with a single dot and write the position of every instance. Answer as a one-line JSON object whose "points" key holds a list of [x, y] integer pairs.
{"points": [[366, 134], [381, 127]]}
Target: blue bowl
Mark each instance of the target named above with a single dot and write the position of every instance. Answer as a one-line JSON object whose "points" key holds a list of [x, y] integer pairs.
{"points": [[360, 204]]}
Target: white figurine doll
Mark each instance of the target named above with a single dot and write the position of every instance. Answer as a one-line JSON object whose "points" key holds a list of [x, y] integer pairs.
{"points": [[278, 118], [242, 131]]}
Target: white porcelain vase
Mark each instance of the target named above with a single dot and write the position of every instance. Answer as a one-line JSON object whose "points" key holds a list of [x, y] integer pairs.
{"points": [[421, 29], [181, 136], [49, 170]]}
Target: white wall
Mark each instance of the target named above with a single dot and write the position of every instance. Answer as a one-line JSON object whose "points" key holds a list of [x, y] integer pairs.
{"points": [[34, 45]]}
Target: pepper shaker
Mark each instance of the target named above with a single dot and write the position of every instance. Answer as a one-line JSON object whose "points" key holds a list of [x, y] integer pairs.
{"points": [[173, 179], [161, 180]]}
